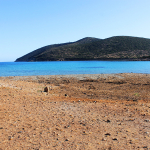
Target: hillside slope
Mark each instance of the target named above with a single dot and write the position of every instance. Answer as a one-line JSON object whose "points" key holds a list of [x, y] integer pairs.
{"points": [[113, 48]]}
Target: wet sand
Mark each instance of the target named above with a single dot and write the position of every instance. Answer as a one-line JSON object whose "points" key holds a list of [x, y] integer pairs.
{"points": [[91, 112]]}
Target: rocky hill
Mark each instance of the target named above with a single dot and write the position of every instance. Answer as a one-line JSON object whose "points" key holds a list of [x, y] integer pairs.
{"points": [[113, 48]]}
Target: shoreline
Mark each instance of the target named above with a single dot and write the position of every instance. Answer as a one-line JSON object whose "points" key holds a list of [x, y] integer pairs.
{"points": [[74, 75]]}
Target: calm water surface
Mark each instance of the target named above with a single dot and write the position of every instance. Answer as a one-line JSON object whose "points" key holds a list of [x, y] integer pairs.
{"points": [[72, 67]]}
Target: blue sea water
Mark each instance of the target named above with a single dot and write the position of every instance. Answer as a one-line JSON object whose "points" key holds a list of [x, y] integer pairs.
{"points": [[72, 67]]}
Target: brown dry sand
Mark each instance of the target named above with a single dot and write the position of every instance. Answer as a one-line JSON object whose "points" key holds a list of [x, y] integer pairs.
{"points": [[79, 112]]}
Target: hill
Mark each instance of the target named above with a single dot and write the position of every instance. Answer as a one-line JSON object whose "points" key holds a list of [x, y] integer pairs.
{"points": [[113, 48]]}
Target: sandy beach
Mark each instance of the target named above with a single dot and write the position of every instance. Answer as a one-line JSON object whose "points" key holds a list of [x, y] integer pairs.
{"points": [[75, 112]]}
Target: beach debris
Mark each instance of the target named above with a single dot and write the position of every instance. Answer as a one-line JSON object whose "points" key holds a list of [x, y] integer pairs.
{"points": [[46, 89]]}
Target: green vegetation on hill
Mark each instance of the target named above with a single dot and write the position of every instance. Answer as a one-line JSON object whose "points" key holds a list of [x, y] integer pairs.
{"points": [[114, 48]]}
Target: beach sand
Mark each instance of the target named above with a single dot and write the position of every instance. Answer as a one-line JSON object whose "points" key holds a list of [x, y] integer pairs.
{"points": [[83, 112]]}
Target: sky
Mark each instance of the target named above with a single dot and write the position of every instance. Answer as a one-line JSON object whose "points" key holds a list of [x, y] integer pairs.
{"points": [[26, 25]]}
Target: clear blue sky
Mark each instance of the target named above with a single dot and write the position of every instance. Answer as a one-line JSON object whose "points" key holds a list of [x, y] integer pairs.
{"points": [[26, 25]]}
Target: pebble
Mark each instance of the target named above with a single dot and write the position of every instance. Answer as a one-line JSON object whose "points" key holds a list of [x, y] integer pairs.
{"points": [[146, 120], [108, 121], [114, 139], [107, 134], [103, 139], [46, 89], [9, 138]]}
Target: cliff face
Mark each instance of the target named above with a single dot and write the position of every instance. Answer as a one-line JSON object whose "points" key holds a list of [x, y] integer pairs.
{"points": [[114, 48]]}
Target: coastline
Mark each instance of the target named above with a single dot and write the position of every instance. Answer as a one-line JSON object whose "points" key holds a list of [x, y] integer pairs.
{"points": [[100, 111], [77, 76], [101, 59]]}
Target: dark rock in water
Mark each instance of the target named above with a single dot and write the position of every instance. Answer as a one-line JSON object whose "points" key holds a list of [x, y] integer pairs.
{"points": [[46, 89]]}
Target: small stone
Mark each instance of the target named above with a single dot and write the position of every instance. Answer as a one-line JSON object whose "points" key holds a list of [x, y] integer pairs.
{"points": [[65, 94], [103, 139], [146, 120], [107, 134], [78, 100], [114, 139], [108, 121], [67, 140], [46, 89], [9, 138]]}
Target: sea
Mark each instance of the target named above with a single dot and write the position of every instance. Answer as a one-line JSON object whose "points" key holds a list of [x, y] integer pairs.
{"points": [[72, 67]]}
